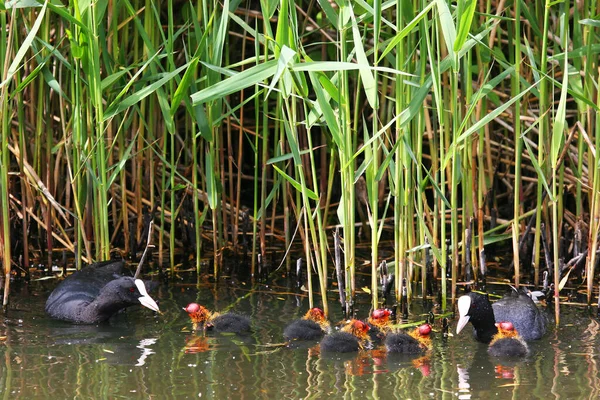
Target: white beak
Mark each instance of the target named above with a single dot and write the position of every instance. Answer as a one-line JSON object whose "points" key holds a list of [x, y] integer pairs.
{"points": [[462, 321], [464, 304], [146, 300]]}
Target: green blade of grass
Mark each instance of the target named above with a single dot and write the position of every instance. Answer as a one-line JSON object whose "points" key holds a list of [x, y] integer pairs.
{"points": [[447, 25], [466, 10], [25, 46], [558, 128], [116, 108], [312, 195], [368, 81], [240, 81], [406, 30]]}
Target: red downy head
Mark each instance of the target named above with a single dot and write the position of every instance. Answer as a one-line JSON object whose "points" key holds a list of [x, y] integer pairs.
{"points": [[192, 308], [505, 326], [360, 327], [425, 330], [506, 329], [315, 314], [381, 313], [198, 314]]}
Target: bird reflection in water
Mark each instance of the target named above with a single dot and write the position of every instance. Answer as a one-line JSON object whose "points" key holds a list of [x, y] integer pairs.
{"points": [[378, 361], [196, 344], [504, 372], [475, 377], [145, 346]]}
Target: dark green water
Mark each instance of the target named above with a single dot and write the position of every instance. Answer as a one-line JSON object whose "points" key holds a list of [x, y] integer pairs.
{"points": [[142, 355]]}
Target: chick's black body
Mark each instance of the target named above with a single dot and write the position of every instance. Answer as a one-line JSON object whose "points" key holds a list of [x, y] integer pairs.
{"points": [[231, 322], [403, 343], [340, 342], [508, 347], [303, 329], [94, 294]]}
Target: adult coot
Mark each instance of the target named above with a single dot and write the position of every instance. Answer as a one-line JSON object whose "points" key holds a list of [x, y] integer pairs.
{"points": [[202, 318], [507, 342], [97, 292], [310, 327], [354, 336], [415, 342], [516, 307]]}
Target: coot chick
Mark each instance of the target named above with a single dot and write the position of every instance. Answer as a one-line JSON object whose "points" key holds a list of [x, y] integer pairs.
{"points": [[516, 308], [507, 342], [97, 292], [354, 336], [380, 323], [310, 327], [415, 342], [229, 322]]}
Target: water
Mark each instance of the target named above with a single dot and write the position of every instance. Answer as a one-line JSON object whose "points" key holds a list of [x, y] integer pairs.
{"points": [[142, 355]]}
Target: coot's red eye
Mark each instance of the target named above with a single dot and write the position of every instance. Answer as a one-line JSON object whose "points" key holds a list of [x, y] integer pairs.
{"points": [[131, 289]]}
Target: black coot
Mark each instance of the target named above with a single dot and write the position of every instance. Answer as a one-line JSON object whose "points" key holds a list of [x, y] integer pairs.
{"points": [[516, 308], [507, 342], [312, 326], [202, 318], [354, 336], [97, 292], [415, 342]]}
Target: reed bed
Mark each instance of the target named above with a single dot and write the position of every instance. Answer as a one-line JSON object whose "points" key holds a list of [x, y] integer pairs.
{"points": [[431, 131]]}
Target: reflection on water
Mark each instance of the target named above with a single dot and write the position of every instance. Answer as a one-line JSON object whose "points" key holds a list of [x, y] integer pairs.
{"points": [[146, 350], [141, 355]]}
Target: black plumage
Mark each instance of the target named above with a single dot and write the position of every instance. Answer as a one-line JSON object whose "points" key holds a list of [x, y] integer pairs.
{"points": [[508, 347], [231, 322], [415, 342], [340, 342], [516, 307], [353, 336], [403, 343], [507, 342], [303, 329], [97, 292]]}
